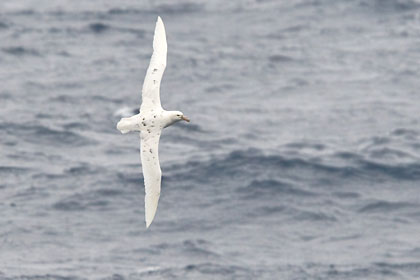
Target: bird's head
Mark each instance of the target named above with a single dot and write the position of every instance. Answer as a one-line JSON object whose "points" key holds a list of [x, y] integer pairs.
{"points": [[178, 116]]}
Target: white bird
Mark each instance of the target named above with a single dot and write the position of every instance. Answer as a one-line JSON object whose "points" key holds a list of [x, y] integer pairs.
{"points": [[150, 122]]}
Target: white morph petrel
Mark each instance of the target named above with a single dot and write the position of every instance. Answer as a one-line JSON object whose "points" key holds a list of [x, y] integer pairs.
{"points": [[150, 122]]}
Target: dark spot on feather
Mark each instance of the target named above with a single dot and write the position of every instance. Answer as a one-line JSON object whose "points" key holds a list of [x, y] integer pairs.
{"points": [[154, 116], [151, 151], [144, 124]]}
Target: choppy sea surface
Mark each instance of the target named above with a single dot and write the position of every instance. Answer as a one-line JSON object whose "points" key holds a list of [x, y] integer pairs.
{"points": [[302, 160]]}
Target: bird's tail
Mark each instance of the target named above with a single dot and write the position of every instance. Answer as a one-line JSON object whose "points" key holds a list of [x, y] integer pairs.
{"points": [[125, 125]]}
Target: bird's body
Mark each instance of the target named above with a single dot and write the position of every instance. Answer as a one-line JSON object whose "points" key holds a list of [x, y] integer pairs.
{"points": [[147, 121], [150, 122]]}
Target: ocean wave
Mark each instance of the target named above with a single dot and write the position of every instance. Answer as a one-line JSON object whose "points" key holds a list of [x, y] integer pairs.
{"points": [[6, 95], [180, 8], [83, 201], [3, 25], [58, 137], [281, 173], [21, 51], [346, 195], [268, 210], [258, 188], [49, 276], [69, 205], [13, 169], [39, 134], [189, 7], [124, 11], [191, 127], [95, 27], [75, 125], [306, 145], [408, 171], [409, 134], [279, 58], [176, 8], [98, 27], [406, 266], [286, 210], [313, 216], [391, 5], [199, 247], [192, 247], [384, 206], [367, 272], [168, 8], [135, 178], [81, 170], [218, 269]]}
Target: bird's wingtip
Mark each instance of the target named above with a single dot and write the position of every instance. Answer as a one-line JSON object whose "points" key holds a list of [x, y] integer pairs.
{"points": [[159, 19], [148, 224]]}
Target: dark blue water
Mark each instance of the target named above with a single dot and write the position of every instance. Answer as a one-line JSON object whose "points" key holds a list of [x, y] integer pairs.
{"points": [[302, 160]]}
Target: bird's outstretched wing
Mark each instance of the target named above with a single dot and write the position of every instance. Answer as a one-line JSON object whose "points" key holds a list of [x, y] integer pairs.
{"points": [[151, 172], [151, 85]]}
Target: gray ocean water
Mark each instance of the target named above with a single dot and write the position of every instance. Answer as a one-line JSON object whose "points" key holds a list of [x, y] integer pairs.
{"points": [[302, 160]]}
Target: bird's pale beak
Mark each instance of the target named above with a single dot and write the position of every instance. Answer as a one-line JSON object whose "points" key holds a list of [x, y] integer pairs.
{"points": [[185, 119]]}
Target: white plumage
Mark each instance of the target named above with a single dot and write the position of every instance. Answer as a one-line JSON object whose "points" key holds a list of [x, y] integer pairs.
{"points": [[150, 122], [151, 85]]}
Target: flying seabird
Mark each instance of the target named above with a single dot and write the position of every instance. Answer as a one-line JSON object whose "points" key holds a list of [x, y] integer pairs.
{"points": [[150, 122]]}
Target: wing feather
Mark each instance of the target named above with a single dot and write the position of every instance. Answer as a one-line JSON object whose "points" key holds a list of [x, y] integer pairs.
{"points": [[151, 85], [151, 172]]}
